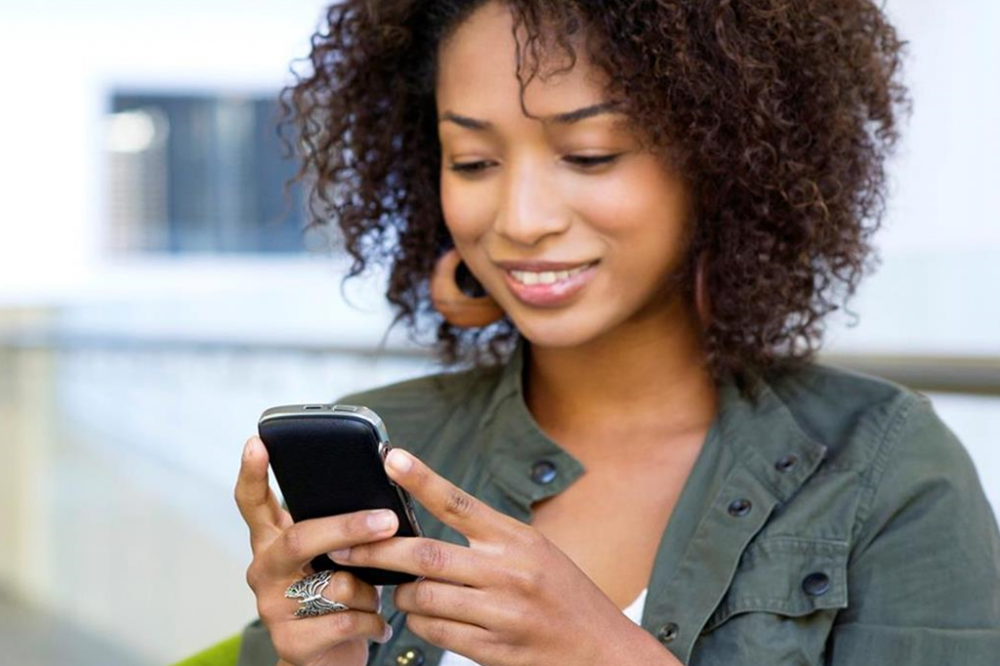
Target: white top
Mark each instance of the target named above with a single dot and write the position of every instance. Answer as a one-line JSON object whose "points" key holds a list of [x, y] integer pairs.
{"points": [[633, 612]]}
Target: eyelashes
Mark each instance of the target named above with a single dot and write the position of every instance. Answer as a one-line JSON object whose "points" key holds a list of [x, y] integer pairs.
{"points": [[468, 167], [582, 161], [591, 160]]}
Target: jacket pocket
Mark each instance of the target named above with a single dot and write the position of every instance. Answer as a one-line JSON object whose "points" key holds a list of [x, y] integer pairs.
{"points": [[788, 576]]}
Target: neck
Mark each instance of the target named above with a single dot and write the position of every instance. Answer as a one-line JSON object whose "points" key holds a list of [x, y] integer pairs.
{"points": [[647, 381]]}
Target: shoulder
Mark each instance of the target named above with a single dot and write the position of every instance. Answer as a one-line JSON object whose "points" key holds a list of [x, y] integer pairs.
{"points": [[924, 542], [865, 420], [892, 454]]}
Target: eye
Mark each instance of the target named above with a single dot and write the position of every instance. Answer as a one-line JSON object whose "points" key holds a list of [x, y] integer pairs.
{"points": [[469, 167], [587, 161], [583, 161]]}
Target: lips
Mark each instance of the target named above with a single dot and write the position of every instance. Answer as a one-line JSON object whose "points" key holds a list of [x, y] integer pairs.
{"points": [[547, 284], [541, 266]]}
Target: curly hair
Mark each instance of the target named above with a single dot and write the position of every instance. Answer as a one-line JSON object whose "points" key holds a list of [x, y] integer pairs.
{"points": [[780, 114]]}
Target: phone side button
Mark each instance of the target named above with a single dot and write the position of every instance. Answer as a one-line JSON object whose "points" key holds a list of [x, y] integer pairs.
{"points": [[383, 450], [412, 516], [345, 408]]}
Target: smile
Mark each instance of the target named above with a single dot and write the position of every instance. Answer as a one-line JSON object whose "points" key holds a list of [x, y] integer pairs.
{"points": [[546, 277], [549, 288]]}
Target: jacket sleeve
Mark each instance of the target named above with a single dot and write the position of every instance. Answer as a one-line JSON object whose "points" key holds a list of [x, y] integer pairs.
{"points": [[924, 575], [255, 646]]}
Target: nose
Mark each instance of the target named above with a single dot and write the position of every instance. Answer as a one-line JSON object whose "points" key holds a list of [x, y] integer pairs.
{"points": [[531, 208]]}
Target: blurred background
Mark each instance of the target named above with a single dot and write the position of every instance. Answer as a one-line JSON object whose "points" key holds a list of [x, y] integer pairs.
{"points": [[157, 293]]}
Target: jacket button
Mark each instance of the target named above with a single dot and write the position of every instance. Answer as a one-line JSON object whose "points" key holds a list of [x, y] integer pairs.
{"points": [[785, 463], [739, 508], [667, 633], [543, 472], [410, 657], [816, 584]]}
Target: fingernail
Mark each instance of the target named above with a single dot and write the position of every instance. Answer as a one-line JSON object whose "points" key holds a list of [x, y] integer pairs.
{"points": [[399, 461], [342, 554], [380, 520], [388, 633], [248, 448]]}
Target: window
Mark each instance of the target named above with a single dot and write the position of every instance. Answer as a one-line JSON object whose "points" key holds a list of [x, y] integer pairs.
{"points": [[199, 174]]}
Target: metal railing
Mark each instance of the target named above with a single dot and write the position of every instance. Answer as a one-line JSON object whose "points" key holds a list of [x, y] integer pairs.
{"points": [[964, 374], [969, 375]]}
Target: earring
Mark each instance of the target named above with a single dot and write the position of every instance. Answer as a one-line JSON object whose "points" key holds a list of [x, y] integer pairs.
{"points": [[454, 305], [701, 298]]}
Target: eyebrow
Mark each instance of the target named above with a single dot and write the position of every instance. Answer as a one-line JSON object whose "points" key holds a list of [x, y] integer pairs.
{"points": [[559, 118]]}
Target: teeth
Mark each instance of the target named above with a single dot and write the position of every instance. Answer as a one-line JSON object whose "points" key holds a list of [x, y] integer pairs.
{"points": [[545, 277]]}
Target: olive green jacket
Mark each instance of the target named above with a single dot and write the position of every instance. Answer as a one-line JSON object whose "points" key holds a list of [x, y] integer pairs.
{"points": [[834, 520]]}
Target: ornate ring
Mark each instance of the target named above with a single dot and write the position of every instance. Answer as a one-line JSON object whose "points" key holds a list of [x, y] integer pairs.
{"points": [[308, 591]]}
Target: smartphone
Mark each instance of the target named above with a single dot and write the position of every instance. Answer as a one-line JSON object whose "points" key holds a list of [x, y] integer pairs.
{"points": [[328, 460]]}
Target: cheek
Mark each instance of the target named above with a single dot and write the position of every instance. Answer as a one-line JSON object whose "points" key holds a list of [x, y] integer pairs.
{"points": [[643, 216], [466, 210], [637, 209]]}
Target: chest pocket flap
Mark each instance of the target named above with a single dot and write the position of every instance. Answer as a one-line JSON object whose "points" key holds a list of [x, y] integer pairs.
{"points": [[786, 575]]}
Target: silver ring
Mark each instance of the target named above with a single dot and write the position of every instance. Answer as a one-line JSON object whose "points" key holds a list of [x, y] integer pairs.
{"points": [[308, 591]]}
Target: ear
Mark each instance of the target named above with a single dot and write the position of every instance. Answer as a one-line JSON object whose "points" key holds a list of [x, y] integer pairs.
{"points": [[456, 307]]}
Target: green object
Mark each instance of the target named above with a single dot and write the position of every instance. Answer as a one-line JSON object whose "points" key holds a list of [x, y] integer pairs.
{"points": [[223, 653], [835, 521]]}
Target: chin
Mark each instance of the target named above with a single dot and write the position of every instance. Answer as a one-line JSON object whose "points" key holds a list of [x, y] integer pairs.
{"points": [[557, 330]]}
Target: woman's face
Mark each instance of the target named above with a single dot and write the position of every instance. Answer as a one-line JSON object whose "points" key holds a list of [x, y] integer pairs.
{"points": [[570, 226]]}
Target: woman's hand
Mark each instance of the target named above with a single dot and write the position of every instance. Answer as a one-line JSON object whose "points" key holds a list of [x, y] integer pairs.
{"points": [[510, 598], [281, 554]]}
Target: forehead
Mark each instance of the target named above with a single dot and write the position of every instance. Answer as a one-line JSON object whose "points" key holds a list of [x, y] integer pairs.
{"points": [[477, 65]]}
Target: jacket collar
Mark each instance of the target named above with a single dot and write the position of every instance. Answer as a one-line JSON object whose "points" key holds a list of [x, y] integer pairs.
{"points": [[755, 451], [763, 434], [516, 447]]}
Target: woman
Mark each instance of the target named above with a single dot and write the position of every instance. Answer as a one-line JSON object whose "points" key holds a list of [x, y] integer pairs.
{"points": [[659, 202]]}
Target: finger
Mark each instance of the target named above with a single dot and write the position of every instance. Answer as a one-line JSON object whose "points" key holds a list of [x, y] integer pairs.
{"points": [[459, 637], [447, 600], [257, 504], [421, 556], [304, 540], [304, 639], [446, 501], [346, 588], [343, 587]]}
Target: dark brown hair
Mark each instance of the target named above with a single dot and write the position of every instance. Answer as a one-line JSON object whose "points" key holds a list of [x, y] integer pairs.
{"points": [[780, 114]]}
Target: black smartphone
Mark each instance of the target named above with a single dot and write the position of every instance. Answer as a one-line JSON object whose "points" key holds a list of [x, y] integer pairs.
{"points": [[328, 460]]}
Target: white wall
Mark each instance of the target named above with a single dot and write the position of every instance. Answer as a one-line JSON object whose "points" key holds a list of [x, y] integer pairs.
{"points": [[947, 179], [935, 290]]}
